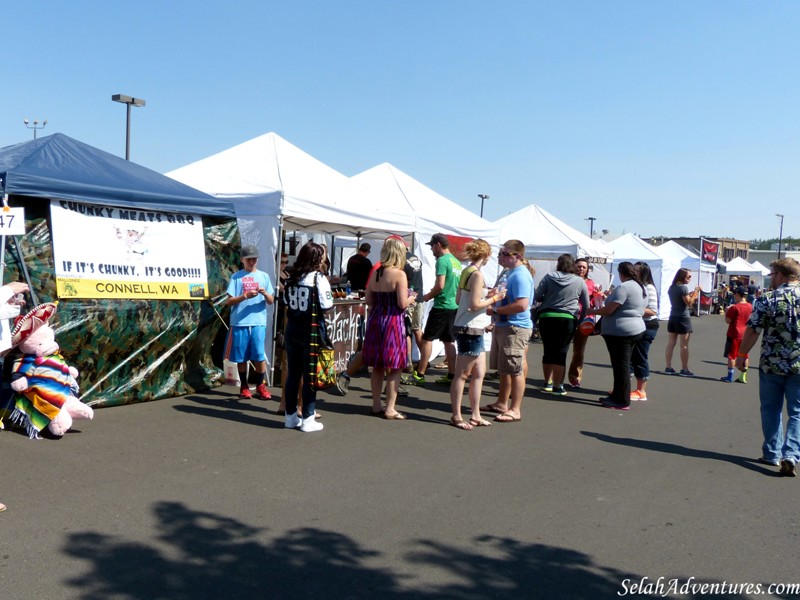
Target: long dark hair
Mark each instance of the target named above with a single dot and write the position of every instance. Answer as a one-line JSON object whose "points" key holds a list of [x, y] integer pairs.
{"points": [[309, 260], [645, 274], [627, 269], [680, 276]]}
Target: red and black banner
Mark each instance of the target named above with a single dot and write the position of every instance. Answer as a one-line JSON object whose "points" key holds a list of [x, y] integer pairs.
{"points": [[709, 252]]}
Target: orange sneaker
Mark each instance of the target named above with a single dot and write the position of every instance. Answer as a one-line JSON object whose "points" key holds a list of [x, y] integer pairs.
{"points": [[263, 392], [638, 395], [245, 393]]}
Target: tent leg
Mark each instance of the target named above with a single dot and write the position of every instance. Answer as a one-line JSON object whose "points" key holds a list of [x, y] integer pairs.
{"points": [[24, 267], [279, 251]]}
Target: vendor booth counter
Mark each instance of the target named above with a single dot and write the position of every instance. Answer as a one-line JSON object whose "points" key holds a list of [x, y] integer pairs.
{"points": [[345, 325]]}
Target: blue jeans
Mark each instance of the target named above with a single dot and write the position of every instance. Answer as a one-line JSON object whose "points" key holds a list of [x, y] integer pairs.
{"points": [[771, 391], [639, 362], [297, 372]]}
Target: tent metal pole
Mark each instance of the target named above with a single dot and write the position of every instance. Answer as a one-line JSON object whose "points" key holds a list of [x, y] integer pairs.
{"points": [[278, 252], [24, 267], [3, 262]]}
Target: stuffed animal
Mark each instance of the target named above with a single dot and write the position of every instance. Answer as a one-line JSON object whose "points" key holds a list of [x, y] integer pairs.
{"points": [[46, 387]]}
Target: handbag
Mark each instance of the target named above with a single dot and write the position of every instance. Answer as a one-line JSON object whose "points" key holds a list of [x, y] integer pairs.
{"points": [[321, 354]]}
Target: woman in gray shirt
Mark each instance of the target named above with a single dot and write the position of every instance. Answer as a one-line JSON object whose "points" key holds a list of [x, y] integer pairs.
{"points": [[621, 327]]}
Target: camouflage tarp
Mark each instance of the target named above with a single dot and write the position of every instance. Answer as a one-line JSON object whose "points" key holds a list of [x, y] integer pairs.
{"points": [[131, 350]]}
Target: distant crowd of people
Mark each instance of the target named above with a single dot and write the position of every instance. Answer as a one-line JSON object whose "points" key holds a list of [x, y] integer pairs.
{"points": [[472, 318]]}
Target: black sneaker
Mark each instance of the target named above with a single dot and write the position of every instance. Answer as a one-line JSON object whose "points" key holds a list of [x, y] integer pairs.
{"points": [[788, 468]]}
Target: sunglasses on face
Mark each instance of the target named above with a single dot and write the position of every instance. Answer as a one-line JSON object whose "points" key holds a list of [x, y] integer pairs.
{"points": [[506, 253]]}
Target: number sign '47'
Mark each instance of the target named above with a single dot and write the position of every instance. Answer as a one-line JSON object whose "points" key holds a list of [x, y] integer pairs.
{"points": [[12, 221]]}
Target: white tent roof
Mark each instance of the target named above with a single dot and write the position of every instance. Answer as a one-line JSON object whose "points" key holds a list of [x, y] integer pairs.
{"points": [[689, 260], [312, 194], [663, 267], [739, 266], [758, 265], [546, 237], [632, 248], [433, 214]]}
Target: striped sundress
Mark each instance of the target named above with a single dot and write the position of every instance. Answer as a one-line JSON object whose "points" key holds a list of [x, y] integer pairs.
{"points": [[385, 345]]}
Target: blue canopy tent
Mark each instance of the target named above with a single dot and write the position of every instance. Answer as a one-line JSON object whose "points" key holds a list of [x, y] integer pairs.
{"points": [[126, 350], [57, 166]]}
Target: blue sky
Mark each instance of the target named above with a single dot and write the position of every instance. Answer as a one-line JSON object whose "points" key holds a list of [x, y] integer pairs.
{"points": [[657, 118]]}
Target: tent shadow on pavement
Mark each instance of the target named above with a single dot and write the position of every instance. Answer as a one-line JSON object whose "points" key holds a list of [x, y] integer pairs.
{"points": [[202, 555]]}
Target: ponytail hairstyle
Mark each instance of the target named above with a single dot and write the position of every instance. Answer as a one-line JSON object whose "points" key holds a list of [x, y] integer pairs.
{"points": [[627, 269], [309, 260], [528, 266]]}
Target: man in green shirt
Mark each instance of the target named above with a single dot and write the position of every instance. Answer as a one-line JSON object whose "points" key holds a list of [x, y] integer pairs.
{"points": [[440, 319]]}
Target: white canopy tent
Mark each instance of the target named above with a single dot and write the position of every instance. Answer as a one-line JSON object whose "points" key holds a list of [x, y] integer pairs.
{"points": [[758, 265], [274, 185], [277, 187], [739, 266], [546, 238], [689, 260], [433, 214], [633, 249]]}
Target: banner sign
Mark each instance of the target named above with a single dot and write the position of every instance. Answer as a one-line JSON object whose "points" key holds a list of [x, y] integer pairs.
{"points": [[709, 252], [111, 252], [343, 326]]}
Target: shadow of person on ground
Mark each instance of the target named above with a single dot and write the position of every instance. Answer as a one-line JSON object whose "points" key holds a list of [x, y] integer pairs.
{"points": [[740, 461]]}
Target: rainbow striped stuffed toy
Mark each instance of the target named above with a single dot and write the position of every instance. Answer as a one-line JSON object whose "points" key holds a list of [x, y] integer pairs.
{"points": [[46, 387]]}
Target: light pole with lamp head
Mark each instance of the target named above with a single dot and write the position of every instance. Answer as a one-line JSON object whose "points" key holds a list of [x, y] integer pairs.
{"points": [[128, 101], [35, 125], [483, 197], [780, 236], [591, 226]]}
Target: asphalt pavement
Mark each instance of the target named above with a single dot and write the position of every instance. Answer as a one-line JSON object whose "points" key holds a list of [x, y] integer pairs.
{"points": [[205, 496]]}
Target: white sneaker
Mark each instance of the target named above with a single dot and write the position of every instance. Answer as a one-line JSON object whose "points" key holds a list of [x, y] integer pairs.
{"points": [[293, 421], [311, 424]]}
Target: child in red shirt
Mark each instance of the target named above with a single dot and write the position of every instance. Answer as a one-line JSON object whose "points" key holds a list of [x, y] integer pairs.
{"points": [[736, 317]]}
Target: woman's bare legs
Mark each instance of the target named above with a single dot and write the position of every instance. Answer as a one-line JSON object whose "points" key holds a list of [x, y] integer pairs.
{"points": [[392, 384], [376, 385], [465, 365]]}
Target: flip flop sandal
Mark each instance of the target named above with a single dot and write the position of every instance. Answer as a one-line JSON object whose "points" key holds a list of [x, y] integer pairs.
{"points": [[507, 418], [461, 424], [395, 417]]}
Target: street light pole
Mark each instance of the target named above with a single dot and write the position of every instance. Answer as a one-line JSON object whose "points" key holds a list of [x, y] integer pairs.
{"points": [[780, 236], [483, 197], [591, 226], [128, 101], [35, 126]]}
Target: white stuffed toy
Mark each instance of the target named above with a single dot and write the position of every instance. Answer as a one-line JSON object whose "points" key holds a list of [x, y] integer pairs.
{"points": [[47, 388]]}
